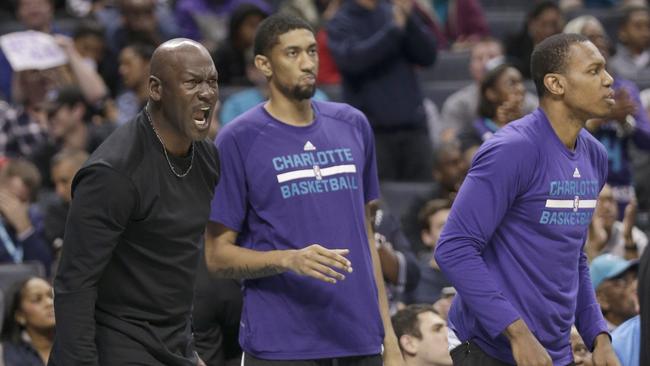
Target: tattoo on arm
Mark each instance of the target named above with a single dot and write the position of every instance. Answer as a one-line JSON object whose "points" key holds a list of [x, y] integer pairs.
{"points": [[245, 272]]}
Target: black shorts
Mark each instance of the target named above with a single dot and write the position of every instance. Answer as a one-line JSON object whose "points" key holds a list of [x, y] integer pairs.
{"points": [[470, 354], [371, 360]]}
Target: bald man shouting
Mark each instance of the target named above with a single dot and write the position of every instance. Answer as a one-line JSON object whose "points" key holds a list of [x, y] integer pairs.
{"points": [[124, 288]]}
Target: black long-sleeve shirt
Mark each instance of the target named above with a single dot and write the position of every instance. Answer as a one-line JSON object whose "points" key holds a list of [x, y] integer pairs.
{"points": [[131, 251]]}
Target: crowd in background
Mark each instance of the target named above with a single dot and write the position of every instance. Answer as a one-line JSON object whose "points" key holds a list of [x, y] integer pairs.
{"points": [[379, 56]]}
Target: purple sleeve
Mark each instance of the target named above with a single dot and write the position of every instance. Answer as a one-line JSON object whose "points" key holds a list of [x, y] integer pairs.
{"points": [[370, 179], [492, 185], [228, 205], [589, 318]]}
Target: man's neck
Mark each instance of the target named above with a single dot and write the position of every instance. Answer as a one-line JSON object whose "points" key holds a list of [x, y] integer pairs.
{"points": [[290, 111], [565, 124], [172, 141]]}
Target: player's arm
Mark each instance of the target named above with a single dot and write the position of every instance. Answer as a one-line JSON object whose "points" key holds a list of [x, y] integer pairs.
{"points": [[103, 201], [392, 355], [225, 258], [499, 173]]}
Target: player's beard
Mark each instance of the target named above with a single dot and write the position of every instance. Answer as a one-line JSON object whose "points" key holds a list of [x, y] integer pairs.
{"points": [[298, 92]]}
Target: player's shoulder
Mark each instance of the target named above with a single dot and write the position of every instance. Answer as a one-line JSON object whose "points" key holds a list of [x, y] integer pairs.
{"points": [[122, 150], [593, 146], [518, 134], [341, 113], [246, 126]]}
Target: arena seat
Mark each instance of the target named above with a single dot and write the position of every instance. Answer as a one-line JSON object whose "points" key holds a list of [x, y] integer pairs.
{"points": [[399, 197]]}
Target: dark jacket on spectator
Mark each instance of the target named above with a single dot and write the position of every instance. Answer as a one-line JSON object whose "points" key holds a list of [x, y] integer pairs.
{"points": [[376, 60]]}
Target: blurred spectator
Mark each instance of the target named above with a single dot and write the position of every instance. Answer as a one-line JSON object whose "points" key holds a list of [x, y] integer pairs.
{"points": [[422, 336], [138, 21], [581, 354], [234, 54], [460, 110], [432, 282], [375, 45], [632, 58], [449, 170], [615, 282], [65, 165], [328, 72], [644, 306], [36, 15], [246, 99], [398, 263], [543, 20], [21, 225], [627, 123], [67, 129], [457, 24], [569, 5], [134, 70], [501, 100], [207, 20], [28, 331], [608, 235], [626, 340], [21, 129], [89, 42]]}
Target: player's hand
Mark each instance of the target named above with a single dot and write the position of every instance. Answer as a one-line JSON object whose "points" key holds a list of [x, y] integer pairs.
{"points": [[15, 211], [526, 349], [603, 354], [319, 262]]}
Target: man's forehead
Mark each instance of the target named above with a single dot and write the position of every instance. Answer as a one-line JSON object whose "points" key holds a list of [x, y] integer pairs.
{"points": [[584, 53], [296, 38]]}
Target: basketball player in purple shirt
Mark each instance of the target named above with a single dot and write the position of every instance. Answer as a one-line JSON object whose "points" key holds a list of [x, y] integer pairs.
{"points": [[513, 243], [291, 218]]}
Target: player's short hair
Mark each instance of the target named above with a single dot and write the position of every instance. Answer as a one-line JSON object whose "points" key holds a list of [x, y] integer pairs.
{"points": [[272, 28], [550, 56], [406, 320]]}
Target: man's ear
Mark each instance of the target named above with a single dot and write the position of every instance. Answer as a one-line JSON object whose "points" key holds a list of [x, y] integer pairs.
{"points": [[555, 84], [155, 88], [408, 344], [263, 64]]}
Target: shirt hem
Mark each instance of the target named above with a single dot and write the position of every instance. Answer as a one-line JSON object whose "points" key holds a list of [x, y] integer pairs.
{"points": [[374, 350]]}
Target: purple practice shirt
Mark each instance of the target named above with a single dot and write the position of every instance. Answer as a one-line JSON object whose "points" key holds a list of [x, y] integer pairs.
{"points": [[513, 243], [287, 187]]}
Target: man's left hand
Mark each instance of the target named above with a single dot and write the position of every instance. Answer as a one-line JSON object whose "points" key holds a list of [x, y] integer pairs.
{"points": [[604, 354]]}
